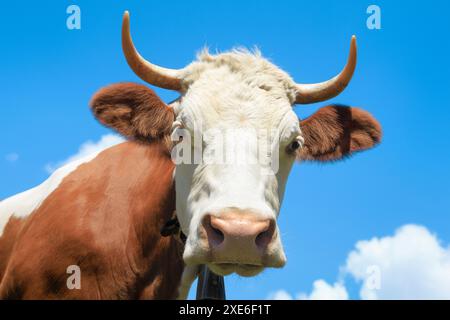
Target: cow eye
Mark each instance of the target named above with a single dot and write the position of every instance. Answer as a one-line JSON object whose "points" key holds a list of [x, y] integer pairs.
{"points": [[293, 146]]}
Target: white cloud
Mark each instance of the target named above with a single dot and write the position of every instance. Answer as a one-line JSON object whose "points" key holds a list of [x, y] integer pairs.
{"points": [[411, 264], [87, 148], [280, 295], [12, 157], [323, 291]]}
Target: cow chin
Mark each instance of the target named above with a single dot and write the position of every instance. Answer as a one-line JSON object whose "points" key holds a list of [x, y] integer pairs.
{"points": [[239, 266], [199, 254], [244, 270]]}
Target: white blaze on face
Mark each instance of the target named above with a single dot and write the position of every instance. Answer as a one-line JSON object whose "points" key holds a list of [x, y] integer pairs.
{"points": [[236, 120]]}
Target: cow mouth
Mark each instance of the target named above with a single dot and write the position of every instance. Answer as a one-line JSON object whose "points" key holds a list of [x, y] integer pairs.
{"points": [[242, 269]]}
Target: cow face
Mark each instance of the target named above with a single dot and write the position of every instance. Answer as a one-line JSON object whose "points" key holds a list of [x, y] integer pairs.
{"points": [[235, 139], [243, 137]]}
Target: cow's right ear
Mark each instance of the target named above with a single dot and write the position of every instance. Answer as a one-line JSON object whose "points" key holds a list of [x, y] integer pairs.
{"points": [[133, 110]]}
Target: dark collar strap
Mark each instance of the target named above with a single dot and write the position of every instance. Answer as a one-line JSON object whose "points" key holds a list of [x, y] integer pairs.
{"points": [[172, 227]]}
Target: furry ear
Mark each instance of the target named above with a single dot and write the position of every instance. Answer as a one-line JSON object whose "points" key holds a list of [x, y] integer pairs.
{"points": [[133, 110], [335, 132]]}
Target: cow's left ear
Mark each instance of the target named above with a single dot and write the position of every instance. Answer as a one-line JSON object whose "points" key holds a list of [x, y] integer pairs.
{"points": [[335, 132], [133, 110]]}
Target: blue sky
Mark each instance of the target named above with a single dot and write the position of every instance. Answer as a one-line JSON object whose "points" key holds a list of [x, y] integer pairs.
{"points": [[49, 73]]}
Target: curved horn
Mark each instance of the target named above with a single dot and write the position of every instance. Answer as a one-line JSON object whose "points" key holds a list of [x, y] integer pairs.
{"points": [[151, 73], [316, 92]]}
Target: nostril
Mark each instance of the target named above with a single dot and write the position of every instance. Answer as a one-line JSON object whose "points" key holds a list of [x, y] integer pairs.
{"points": [[265, 237], [215, 236]]}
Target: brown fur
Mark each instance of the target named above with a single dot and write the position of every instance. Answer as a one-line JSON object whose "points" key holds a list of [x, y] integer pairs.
{"points": [[134, 110], [334, 132], [104, 217], [7, 241]]}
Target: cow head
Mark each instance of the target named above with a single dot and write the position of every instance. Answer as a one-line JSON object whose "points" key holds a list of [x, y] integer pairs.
{"points": [[237, 137]]}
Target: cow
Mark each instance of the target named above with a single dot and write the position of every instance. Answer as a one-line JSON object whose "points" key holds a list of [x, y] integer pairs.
{"points": [[103, 214]]}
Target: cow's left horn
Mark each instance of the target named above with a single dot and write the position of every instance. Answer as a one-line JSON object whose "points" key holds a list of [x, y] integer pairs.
{"points": [[316, 92], [149, 72]]}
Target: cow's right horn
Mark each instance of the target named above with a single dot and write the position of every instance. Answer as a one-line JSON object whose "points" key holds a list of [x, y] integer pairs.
{"points": [[149, 72]]}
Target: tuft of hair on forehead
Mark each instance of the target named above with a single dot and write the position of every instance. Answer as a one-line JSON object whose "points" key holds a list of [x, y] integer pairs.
{"points": [[237, 53], [250, 63]]}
